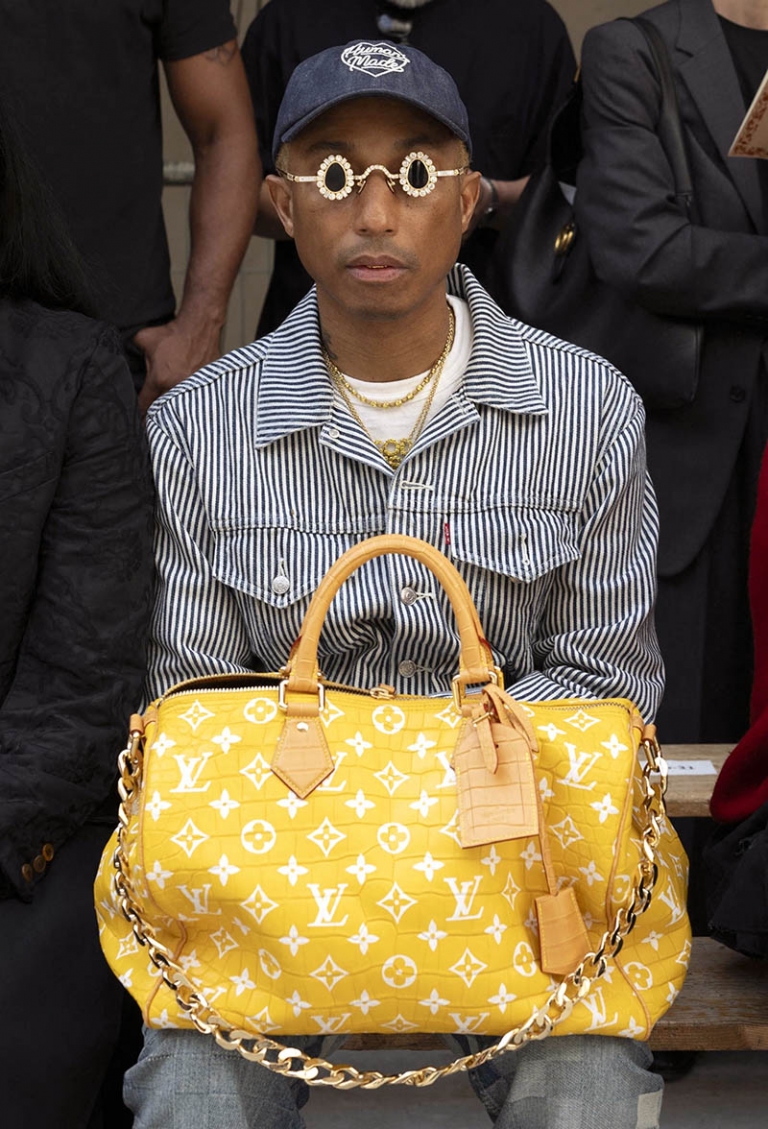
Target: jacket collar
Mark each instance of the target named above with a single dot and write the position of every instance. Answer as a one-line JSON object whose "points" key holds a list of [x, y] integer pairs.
{"points": [[708, 72], [499, 372]]}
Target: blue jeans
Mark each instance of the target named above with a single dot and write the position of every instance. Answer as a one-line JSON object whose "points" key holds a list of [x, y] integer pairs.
{"points": [[183, 1080]]}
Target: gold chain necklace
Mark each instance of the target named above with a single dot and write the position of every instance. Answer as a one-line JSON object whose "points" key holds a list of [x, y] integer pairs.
{"points": [[395, 450], [341, 378]]}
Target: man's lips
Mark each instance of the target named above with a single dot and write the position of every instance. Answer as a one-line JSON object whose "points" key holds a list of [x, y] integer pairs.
{"points": [[380, 268]]}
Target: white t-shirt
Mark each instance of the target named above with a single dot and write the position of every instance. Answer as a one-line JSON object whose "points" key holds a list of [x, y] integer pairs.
{"points": [[397, 423]]}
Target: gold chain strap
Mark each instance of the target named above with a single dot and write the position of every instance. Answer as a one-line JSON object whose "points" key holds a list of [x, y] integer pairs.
{"points": [[317, 1071]]}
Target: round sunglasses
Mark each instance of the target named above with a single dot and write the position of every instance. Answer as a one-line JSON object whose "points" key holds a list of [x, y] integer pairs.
{"points": [[335, 178]]}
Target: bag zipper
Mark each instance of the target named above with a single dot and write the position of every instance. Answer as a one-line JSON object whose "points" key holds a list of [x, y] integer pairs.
{"points": [[381, 691]]}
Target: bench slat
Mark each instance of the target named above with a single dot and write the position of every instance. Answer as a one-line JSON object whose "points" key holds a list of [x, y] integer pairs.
{"points": [[723, 1005]]}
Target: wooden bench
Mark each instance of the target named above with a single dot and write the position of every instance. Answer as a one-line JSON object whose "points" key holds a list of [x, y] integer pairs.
{"points": [[688, 795], [724, 1002], [723, 1005]]}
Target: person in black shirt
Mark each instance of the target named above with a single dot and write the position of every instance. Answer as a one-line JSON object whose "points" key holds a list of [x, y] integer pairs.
{"points": [[512, 62], [81, 79]]}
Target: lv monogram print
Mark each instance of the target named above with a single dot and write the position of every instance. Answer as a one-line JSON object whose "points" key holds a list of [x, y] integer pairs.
{"points": [[357, 909]]}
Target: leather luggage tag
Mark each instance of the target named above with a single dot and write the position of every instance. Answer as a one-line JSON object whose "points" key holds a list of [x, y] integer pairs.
{"points": [[494, 805], [302, 759], [563, 936]]}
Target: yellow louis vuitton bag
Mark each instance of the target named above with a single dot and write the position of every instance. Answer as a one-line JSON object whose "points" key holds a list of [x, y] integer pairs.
{"points": [[295, 857]]}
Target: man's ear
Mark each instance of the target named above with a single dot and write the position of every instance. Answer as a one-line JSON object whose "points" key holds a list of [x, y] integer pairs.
{"points": [[469, 192], [282, 198]]}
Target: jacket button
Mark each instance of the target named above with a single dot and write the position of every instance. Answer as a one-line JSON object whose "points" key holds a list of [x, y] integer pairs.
{"points": [[407, 668], [48, 852], [27, 873], [408, 596], [39, 864], [737, 393]]}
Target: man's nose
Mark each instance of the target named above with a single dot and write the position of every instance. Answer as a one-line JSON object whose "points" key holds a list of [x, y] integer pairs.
{"points": [[376, 205]]}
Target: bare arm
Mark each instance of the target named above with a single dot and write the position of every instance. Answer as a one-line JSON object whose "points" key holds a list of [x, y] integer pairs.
{"points": [[210, 95]]}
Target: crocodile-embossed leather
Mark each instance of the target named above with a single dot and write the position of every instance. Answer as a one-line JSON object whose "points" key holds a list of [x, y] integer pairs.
{"points": [[358, 909], [302, 759], [563, 937], [498, 805]]}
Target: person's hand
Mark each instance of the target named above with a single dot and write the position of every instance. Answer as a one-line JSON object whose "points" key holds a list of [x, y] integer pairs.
{"points": [[495, 201], [487, 202], [173, 352]]}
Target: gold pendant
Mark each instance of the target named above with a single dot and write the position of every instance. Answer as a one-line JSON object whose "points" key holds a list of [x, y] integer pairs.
{"points": [[394, 450]]}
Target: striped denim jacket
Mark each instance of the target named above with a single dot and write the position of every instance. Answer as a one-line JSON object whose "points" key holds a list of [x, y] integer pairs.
{"points": [[531, 479]]}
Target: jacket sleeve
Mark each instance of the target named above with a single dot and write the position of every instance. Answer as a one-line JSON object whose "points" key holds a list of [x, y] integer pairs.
{"points": [[640, 238], [196, 627], [596, 636], [80, 663]]}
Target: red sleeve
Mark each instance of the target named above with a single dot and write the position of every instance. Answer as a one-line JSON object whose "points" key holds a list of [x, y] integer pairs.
{"points": [[742, 786]]}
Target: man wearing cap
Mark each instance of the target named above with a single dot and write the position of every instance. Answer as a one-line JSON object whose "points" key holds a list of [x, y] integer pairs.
{"points": [[397, 398], [512, 62]]}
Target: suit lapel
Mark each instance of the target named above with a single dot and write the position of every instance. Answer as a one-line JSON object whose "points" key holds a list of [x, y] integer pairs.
{"points": [[710, 76]]}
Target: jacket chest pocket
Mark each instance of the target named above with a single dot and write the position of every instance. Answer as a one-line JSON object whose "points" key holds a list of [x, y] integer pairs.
{"points": [[509, 557], [279, 566], [273, 573], [515, 542]]}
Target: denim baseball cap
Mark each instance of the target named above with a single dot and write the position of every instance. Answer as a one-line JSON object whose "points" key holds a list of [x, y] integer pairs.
{"points": [[366, 68]]}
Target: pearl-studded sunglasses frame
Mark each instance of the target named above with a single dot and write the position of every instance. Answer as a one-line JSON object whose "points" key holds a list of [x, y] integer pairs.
{"points": [[417, 167]]}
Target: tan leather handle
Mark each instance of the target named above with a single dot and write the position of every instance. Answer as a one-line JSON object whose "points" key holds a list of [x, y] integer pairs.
{"points": [[476, 659]]}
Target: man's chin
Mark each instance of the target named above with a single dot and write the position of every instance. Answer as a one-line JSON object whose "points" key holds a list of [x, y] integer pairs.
{"points": [[387, 302], [377, 309]]}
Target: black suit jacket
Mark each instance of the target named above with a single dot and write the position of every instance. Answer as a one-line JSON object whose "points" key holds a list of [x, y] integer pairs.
{"points": [[642, 241], [75, 578]]}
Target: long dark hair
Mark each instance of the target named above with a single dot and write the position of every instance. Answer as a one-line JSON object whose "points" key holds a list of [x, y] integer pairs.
{"points": [[38, 259]]}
